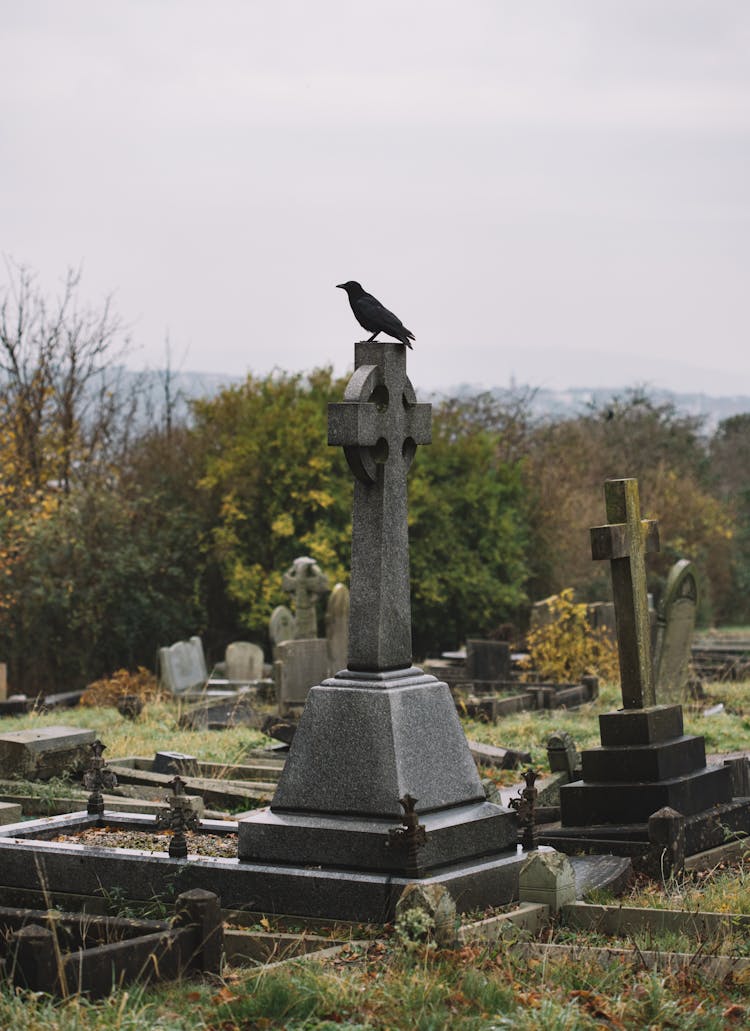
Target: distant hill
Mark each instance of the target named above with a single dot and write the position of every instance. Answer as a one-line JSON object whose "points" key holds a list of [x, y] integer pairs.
{"points": [[186, 386], [575, 400]]}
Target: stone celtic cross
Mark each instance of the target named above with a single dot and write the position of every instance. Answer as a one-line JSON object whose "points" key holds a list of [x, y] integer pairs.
{"points": [[625, 542], [305, 581], [379, 424]]}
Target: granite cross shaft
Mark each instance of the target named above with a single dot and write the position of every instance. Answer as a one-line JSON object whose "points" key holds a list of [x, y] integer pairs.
{"points": [[625, 541], [379, 424]]}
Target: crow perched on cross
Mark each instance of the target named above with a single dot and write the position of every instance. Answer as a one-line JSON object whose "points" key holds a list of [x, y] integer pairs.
{"points": [[372, 316]]}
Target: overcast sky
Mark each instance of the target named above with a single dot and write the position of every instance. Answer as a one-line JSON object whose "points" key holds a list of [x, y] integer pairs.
{"points": [[553, 191]]}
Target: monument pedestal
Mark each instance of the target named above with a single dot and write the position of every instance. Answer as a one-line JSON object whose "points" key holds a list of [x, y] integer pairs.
{"points": [[365, 741], [647, 769], [645, 763]]}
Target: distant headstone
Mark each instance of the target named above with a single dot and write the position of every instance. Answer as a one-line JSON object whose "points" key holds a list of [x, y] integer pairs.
{"points": [[337, 628], [3, 681], [543, 612], [244, 661], [305, 581], [299, 666], [676, 623], [183, 666], [45, 752], [562, 754], [280, 627], [601, 616], [487, 660]]}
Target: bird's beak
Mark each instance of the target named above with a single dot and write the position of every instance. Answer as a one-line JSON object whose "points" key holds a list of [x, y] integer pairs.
{"points": [[339, 286]]}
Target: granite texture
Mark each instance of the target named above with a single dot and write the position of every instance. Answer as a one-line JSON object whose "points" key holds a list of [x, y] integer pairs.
{"points": [[44, 752], [662, 761], [296, 890], [583, 804], [641, 726], [379, 424], [452, 835], [362, 744]]}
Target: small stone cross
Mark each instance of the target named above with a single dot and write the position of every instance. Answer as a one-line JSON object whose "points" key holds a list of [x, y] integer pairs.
{"points": [[305, 580], [379, 424], [625, 541]]}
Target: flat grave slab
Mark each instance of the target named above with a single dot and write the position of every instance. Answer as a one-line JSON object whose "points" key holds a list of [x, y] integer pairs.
{"points": [[44, 752]]}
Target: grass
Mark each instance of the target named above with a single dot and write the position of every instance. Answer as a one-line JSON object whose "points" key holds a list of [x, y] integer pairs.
{"points": [[728, 731], [386, 987], [155, 730], [723, 889]]}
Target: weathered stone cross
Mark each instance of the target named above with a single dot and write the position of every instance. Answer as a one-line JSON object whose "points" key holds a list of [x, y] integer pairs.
{"points": [[625, 542], [305, 580], [379, 424]]}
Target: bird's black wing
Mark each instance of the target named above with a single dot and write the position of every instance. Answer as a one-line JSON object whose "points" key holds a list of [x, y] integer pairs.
{"points": [[376, 318]]}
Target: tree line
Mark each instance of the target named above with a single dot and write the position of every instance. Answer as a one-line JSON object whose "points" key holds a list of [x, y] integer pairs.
{"points": [[123, 528]]}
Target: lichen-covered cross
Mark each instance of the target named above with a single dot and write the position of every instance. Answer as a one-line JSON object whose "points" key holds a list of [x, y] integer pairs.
{"points": [[379, 424], [625, 542], [305, 580]]}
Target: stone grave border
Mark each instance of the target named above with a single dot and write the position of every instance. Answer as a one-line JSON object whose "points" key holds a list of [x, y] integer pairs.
{"points": [[28, 860], [145, 950], [242, 946], [531, 697]]}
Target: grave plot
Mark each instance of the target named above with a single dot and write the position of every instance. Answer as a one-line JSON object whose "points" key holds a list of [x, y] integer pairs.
{"points": [[484, 686], [647, 789]]}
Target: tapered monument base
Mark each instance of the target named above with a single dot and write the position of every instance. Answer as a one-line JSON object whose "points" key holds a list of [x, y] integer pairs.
{"points": [[365, 741]]}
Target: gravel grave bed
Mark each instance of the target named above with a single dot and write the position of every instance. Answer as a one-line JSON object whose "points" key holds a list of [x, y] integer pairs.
{"points": [[222, 846]]}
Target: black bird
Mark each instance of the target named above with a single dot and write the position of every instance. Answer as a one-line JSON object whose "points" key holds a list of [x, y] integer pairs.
{"points": [[372, 316]]}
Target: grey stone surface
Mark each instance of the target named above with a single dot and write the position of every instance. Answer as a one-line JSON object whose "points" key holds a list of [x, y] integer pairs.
{"points": [[45, 752], [452, 836], [280, 627], [561, 753], [369, 743], [436, 903], [295, 889], [637, 763], [305, 581], [502, 758], [547, 878], [337, 628], [583, 803], [604, 871], [182, 666], [641, 726], [10, 812], [487, 660], [675, 627], [175, 762], [243, 661], [299, 665], [380, 424]]}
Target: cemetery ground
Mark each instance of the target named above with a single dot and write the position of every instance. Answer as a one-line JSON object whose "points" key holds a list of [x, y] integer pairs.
{"points": [[551, 975]]}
